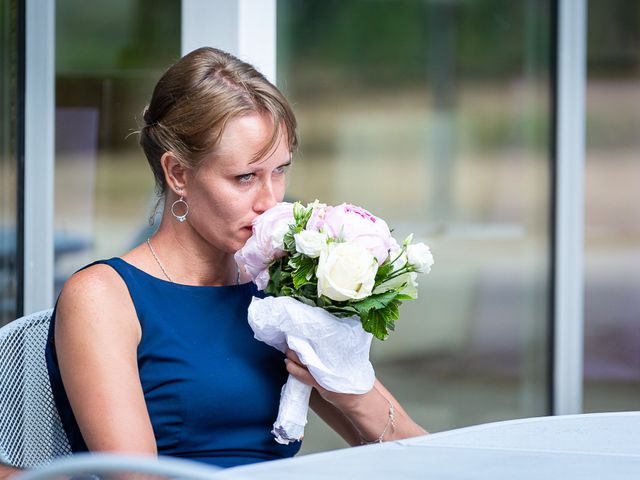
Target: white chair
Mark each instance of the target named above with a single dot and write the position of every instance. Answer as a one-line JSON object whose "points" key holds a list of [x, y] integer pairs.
{"points": [[31, 433], [96, 465]]}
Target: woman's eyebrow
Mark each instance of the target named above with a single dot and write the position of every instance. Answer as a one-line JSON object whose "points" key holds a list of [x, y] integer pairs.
{"points": [[258, 166]]}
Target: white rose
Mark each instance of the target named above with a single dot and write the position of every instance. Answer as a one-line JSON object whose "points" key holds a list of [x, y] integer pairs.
{"points": [[419, 256], [346, 271], [310, 242]]}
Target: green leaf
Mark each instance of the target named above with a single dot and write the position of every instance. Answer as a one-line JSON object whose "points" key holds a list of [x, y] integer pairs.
{"points": [[303, 272], [403, 296], [341, 311], [375, 302], [305, 300], [383, 272], [279, 277], [310, 291], [289, 241], [287, 291], [379, 321], [324, 302], [295, 261]]}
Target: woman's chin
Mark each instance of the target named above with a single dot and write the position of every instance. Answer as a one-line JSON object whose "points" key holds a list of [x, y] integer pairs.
{"points": [[240, 243]]}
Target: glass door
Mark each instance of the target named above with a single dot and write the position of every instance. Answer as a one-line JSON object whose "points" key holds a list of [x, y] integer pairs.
{"points": [[108, 57], [612, 208], [436, 116]]}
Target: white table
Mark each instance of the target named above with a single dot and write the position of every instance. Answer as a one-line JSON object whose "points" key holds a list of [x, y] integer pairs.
{"points": [[592, 446]]}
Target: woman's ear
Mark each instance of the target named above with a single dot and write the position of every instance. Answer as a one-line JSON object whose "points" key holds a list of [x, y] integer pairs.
{"points": [[174, 174]]}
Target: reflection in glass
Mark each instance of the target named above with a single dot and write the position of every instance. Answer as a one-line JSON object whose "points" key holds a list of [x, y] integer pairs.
{"points": [[8, 160], [612, 207], [108, 57], [435, 116]]}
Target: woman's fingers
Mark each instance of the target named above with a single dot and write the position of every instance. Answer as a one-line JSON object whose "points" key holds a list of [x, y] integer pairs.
{"points": [[293, 356], [300, 372], [296, 368]]}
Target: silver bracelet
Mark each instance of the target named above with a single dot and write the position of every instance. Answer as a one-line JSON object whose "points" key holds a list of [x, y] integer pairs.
{"points": [[391, 422]]}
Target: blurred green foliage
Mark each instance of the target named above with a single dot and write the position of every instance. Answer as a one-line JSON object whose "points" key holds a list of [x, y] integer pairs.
{"points": [[399, 40], [613, 38], [109, 55], [382, 41], [115, 36]]}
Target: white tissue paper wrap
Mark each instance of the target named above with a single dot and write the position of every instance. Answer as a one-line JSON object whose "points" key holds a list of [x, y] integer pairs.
{"points": [[335, 350]]}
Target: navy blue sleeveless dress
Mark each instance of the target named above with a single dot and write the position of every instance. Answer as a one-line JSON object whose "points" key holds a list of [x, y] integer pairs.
{"points": [[211, 389]]}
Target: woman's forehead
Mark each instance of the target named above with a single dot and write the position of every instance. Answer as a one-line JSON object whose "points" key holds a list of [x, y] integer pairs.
{"points": [[247, 138], [243, 160]]}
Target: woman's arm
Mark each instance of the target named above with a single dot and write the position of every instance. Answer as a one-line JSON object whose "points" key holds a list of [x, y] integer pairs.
{"points": [[96, 335], [370, 417], [7, 472], [333, 417]]}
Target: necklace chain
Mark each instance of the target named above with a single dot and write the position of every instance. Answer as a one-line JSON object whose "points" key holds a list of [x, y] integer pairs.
{"points": [[153, 252]]}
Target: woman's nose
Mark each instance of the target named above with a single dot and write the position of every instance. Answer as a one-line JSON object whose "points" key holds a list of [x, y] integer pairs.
{"points": [[266, 198]]}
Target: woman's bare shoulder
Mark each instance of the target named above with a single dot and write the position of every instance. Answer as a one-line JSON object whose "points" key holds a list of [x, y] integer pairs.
{"points": [[96, 298], [93, 284]]}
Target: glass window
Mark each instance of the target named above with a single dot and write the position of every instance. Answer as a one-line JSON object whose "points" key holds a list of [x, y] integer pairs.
{"points": [[435, 116], [612, 208], [8, 160], [108, 57]]}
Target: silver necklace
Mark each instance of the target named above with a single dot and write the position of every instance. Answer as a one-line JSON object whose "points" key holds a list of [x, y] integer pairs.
{"points": [[153, 252]]}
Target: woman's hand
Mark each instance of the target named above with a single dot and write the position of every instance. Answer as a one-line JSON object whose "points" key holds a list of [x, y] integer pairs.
{"points": [[343, 401]]}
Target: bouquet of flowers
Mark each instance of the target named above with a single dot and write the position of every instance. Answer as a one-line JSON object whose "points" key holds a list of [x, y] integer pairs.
{"points": [[335, 276]]}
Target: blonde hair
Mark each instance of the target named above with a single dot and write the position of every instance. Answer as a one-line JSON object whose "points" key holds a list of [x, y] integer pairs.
{"points": [[195, 99]]}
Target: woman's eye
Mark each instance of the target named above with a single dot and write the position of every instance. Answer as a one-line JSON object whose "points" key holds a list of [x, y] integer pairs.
{"points": [[282, 168], [246, 178]]}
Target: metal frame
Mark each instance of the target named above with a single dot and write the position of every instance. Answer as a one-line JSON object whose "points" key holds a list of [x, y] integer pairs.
{"points": [[39, 155], [569, 194], [19, 119], [245, 28]]}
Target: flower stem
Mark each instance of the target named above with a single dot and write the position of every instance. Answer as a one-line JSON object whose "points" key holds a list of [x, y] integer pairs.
{"points": [[406, 269]]}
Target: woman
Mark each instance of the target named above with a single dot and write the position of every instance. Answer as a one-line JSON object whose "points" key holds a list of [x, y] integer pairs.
{"points": [[150, 352]]}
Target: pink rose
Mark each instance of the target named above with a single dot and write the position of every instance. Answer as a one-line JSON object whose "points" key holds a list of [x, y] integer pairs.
{"points": [[270, 228], [262, 280], [252, 261], [266, 243], [351, 223]]}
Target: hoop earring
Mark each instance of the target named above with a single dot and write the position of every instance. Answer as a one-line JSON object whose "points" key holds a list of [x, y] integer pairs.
{"points": [[183, 217]]}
